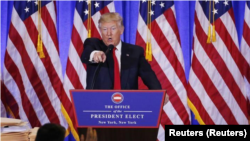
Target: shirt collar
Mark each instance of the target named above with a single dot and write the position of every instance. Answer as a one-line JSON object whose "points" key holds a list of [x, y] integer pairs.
{"points": [[119, 46]]}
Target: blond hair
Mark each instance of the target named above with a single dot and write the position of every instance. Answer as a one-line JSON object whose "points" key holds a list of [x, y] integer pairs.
{"points": [[109, 17]]}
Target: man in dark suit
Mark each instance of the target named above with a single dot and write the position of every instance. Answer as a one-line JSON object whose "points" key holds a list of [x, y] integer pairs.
{"points": [[131, 59], [132, 64]]}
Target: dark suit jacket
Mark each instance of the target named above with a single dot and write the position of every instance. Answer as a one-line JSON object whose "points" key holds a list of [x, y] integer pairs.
{"points": [[133, 64]]}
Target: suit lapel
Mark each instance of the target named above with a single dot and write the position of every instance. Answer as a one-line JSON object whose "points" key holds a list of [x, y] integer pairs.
{"points": [[124, 65]]}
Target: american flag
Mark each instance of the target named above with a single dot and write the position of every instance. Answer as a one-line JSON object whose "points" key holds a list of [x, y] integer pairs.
{"points": [[167, 62], [245, 50], [216, 85], [2, 99], [34, 83], [75, 77]]}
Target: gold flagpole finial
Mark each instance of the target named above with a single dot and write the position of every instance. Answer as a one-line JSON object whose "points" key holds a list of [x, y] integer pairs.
{"points": [[209, 26], [213, 34], [89, 19], [150, 52], [148, 45], [209, 34], [39, 40], [146, 51]]}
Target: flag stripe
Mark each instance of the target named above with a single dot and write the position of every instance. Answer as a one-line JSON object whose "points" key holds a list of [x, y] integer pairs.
{"points": [[68, 87], [28, 88], [247, 14], [196, 101], [72, 73], [216, 93], [80, 28], [76, 41], [172, 44], [165, 83], [220, 65], [245, 48], [171, 56], [41, 78], [161, 136], [47, 62], [246, 33], [9, 100], [215, 77], [224, 72], [51, 61], [168, 51], [94, 29], [95, 19], [245, 51], [165, 120], [230, 28], [104, 10], [27, 106], [50, 49], [81, 72], [47, 20], [222, 29], [213, 74], [167, 59], [211, 90], [233, 50], [161, 60], [170, 17], [13, 101], [40, 85]]}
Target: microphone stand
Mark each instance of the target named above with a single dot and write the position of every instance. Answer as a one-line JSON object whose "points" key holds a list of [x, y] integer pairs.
{"points": [[110, 48]]}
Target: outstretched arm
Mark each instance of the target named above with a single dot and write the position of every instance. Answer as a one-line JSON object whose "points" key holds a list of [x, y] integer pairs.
{"points": [[91, 53]]}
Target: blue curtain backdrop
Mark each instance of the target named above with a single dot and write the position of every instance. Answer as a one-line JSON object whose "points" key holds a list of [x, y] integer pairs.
{"points": [[129, 11]]}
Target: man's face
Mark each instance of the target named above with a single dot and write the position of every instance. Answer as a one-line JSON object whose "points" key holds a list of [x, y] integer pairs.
{"points": [[111, 32]]}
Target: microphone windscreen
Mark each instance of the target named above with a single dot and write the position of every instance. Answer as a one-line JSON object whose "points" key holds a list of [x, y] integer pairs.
{"points": [[110, 48]]}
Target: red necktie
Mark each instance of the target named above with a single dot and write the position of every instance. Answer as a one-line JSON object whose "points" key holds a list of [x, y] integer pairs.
{"points": [[117, 81]]}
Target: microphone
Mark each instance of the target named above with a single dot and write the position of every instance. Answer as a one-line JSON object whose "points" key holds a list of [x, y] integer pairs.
{"points": [[110, 48]]}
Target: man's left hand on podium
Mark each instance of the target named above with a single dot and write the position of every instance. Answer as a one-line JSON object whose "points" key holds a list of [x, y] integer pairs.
{"points": [[91, 135], [166, 99]]}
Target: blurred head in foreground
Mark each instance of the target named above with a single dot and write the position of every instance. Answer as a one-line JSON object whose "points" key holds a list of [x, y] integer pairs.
{"points": [[51, 132]]}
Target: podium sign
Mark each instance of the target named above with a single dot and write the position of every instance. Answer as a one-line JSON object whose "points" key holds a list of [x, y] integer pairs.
{"points": [[117, 108]]}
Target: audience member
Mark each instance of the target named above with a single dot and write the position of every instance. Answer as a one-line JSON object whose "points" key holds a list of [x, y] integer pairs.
{"points": [[51, 132]]}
